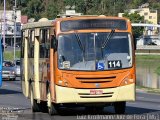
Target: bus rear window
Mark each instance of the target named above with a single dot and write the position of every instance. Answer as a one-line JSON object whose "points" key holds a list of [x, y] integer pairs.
{"points": [[93, 24]]}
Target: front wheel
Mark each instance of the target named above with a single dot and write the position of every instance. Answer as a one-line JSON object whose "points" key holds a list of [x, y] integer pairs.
{"points": [[51, 106], [35, 106], [120, 107]]}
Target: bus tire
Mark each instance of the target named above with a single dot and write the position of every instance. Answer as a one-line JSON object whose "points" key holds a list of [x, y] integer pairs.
{"points": [[119, 107], [44, 107], [34, 105], [51, 106]]}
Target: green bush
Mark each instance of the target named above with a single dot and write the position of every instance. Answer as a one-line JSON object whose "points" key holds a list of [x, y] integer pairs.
{"points": [[9, 55]]}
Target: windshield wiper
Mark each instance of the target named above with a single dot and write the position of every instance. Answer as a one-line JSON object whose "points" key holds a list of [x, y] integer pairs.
{"points": [[108, 38], [80, 44], [106, 41]]}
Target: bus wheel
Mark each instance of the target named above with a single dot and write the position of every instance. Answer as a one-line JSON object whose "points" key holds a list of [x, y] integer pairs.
{"points": [[34, 105], [120, 107], [51, 107]]}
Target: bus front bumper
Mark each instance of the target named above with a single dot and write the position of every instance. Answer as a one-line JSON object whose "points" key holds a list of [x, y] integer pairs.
{"points": [[73, 95]]}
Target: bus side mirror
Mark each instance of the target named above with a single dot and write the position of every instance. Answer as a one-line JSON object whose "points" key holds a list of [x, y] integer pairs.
{"points": [[135, 42], [54, 42]]}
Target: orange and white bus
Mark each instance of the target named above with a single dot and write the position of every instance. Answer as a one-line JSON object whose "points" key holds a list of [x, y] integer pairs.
{"points": [[84, 60]]}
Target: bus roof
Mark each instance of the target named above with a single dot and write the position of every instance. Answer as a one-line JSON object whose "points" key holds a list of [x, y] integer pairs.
{"points": [[38, 24], [49, 23], [90, 17]]}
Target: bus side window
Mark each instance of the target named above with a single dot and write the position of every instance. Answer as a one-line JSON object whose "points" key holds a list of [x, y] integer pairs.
{"points": [[30, 44], [22, 45], [44, 44], [48, 43]]}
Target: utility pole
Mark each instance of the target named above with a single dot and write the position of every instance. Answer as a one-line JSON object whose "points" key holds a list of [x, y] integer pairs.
{"points": [[4, 24], [114, 7], [15, 16]]}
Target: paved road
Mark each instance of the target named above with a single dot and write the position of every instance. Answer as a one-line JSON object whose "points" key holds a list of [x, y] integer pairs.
{"points": [[12, 101]]}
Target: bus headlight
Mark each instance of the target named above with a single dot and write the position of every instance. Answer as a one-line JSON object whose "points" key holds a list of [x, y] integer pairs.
{"points": [[63, 83], [127, 80], [60, 82]]}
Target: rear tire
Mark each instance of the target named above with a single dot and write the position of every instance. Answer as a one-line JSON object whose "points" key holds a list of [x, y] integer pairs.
{"points": [[120, 107], [44, 107], [52, 110], [34, 105]]}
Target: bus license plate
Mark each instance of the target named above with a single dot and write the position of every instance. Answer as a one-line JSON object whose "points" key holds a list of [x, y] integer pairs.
{"points": [[96, 92]]}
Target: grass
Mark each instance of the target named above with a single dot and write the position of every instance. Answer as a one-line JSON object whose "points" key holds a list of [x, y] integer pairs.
{"points": [[147, 57], [9, 55], [148, 90], [149, 61]]}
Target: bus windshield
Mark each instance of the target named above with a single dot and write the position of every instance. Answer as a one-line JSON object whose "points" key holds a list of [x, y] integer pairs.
{"points": [[117, 53]]}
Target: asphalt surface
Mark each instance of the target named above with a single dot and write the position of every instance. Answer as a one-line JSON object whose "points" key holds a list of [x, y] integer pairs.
{"points": [[14, 106]]}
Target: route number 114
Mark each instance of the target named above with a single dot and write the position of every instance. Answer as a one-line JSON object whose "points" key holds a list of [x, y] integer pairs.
{"points": [[114, 64]]}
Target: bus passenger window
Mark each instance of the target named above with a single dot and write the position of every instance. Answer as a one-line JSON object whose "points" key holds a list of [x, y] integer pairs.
{"points": [[31, 44], [44, 44]]}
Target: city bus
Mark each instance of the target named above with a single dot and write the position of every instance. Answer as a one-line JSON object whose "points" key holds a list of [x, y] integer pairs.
{"points": [[1, 59], [86, 61]]}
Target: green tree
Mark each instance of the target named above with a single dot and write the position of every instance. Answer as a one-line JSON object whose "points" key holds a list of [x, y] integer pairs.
{"points": [[51, 8], [31, 8], [137, 3], [135, 18], [83, 6], [52, 11]]}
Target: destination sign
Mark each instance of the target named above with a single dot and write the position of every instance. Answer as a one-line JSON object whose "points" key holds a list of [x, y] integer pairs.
{"points": [[93, 24]]}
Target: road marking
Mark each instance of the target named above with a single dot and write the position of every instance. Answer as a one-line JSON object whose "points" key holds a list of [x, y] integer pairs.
{"points": [[148, 99], [140, 97], [5, 85], [132, 103], [11, 96], [18, 87]]}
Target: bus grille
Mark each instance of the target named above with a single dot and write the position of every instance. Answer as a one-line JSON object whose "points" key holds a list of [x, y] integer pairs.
{"points": [[96, 79], [87, 95]]}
